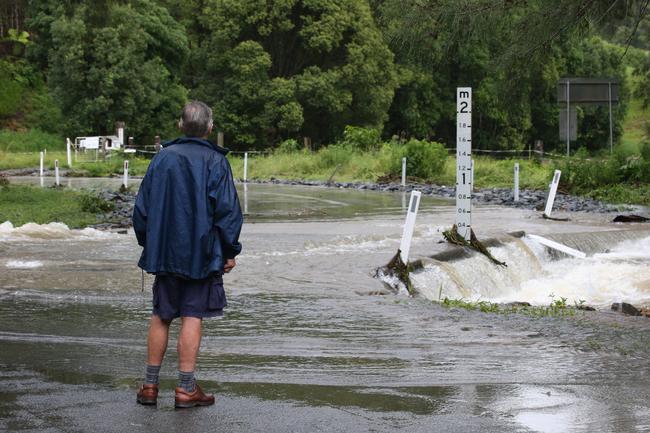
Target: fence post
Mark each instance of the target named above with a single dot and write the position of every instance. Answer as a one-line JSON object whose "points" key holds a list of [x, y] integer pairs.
{"points": [[245, 166], [41, 165], [220, 139], [403, 172]]}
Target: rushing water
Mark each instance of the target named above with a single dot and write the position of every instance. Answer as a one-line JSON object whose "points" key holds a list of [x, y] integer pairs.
{"points": [[307, 344]]}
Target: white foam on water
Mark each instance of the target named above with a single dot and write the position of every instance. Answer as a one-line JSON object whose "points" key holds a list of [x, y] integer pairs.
{"points": [[23, 264], [621, 274], [49, 231]]}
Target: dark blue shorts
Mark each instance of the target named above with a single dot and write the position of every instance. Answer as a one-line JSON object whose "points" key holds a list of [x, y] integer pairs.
{"points": [[178, 297]]}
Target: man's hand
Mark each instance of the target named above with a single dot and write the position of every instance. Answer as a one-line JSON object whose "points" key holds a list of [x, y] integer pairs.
{"points": [[230, 263]]}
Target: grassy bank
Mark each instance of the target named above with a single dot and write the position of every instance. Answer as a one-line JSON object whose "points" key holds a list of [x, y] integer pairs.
{"points": [[372, 166], [618, 179], [23, 204], [32, 140]]}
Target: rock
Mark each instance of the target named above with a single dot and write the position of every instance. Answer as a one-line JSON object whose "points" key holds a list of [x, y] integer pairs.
{"points": [[518, 304], [630, 219], [645, 312], [625, 308]]}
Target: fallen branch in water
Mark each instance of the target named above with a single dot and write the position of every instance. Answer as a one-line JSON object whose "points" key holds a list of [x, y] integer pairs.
{"points": [[453, 237]]}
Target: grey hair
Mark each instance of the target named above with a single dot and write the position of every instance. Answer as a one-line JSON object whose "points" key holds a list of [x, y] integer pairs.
{"points": [[196, 119]]}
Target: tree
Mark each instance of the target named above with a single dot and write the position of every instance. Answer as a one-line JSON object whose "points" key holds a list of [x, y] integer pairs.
{"points": [[511, 52], [273, 70], [115, 62]]}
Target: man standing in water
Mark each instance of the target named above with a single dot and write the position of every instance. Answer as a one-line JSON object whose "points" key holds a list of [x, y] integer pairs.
{"points": [[187, 218]]}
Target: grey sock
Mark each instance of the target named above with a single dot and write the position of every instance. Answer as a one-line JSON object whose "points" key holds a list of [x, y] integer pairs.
{"points": [[186, 380], [152, 374]]}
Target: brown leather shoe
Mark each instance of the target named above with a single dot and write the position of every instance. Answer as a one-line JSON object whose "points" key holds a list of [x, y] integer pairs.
{"points": [[190, 399], [148, 394]]}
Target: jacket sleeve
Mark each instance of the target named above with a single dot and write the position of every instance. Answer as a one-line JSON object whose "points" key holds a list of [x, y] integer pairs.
{"points": [[228, 217], [141, 209]]}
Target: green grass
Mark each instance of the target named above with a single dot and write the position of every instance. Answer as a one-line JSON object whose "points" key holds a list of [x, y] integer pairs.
{"points": [[103, 168], [23, 204], [32, 140], [557, 307], [373, 165], [634, 127]]}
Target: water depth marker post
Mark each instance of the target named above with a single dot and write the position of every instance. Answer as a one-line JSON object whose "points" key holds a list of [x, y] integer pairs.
{"points": [[125, 181], [464, 172], [409, 225], [552, 192], [516, 181], [403, 172]]}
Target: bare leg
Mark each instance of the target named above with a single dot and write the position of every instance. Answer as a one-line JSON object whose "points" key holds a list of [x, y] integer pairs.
{"points": [[157, 340], [189, 341]]}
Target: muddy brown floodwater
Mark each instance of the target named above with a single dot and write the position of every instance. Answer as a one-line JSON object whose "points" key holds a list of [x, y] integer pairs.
{"points": [[304, 345]]}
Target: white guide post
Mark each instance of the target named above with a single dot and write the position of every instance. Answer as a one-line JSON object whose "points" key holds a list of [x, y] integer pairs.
{"points": [[57, 180], [409, 225], [125, 182], [245, 199], [516, 181], [558, 246], [68, 149], [245, 166], [464, 172], [41, 165], [403, 172], [552, 192]]}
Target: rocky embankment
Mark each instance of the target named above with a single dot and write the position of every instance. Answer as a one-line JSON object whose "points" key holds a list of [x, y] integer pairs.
{"points": [[119, 218]]}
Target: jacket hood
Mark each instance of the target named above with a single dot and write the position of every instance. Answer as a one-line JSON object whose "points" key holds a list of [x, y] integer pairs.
{"points": [[196, 140]]}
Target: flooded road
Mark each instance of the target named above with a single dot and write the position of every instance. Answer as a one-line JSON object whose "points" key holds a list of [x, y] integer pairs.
{"points": [[306, 344]]}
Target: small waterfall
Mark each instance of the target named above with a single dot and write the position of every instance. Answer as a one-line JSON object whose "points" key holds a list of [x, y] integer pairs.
{"points": [[617, 268], [474, 276]]}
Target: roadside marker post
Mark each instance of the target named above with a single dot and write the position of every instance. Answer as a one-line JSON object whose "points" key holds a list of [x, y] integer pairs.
{"points": [[516, 181], [125, 181], [552, 192], [41, 165], [409, 225], [68, 150], [464, 171], [558, 246], [403, 172], [57, 180], [245, 166]]}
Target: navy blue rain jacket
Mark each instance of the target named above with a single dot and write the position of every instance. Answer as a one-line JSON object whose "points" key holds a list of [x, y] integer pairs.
{"points": [[187, 214]]}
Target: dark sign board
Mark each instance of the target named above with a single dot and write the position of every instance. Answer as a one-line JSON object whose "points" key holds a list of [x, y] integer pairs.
{"points": [[588, 91], [573, 123]]}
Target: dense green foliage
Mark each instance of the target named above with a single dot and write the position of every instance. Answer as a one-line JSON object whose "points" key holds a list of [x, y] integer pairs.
{"points": [[294, 66], [117, 62]]}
